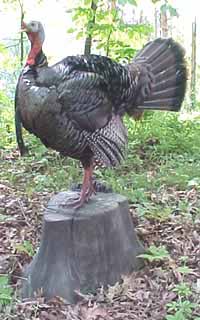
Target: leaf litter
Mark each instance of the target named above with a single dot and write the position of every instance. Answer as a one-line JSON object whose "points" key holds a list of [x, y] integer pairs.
{"points": [[142, 295]]}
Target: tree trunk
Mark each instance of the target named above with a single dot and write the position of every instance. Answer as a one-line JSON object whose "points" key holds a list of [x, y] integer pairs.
{"points": [[88, 41], [21, 35], [83, 249], [164, 24], [18, 124], [113, 7], [164, 20], [156, 23], [193, 65]]}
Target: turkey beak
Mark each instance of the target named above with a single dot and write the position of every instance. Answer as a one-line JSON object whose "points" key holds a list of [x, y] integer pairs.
{"points": [[23, 30]]}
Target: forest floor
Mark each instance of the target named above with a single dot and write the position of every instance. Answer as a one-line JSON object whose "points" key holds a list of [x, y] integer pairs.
{"points": [[163, 187]]}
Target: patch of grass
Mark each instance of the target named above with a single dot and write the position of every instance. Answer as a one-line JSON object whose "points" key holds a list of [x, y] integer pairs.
{"points": [[5, 291], [160, 177], [25, 247], [154, 253], [182, 307], [163, 153]]}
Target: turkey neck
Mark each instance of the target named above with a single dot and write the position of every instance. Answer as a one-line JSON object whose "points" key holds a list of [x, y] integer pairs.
{"points": [[41, 59], [36, 57], [42, 74]]}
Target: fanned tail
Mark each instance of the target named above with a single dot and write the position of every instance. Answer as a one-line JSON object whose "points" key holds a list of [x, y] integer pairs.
{"points": [[162, 76]]}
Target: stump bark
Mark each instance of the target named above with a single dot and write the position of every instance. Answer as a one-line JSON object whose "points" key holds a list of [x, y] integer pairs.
{"points": [[83, 249]]}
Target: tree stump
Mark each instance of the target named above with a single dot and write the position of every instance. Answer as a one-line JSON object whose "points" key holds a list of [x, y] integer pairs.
{"points": [[83, 249]]}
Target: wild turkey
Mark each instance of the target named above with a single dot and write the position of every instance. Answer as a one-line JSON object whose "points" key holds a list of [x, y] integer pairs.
{"points": [[77, 105]]}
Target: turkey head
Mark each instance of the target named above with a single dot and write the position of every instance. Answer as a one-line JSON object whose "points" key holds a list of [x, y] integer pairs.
{"points": [[36, 35]]}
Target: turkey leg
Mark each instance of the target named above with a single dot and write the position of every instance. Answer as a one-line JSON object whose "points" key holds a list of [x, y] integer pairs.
{"points": [[86, 191]]}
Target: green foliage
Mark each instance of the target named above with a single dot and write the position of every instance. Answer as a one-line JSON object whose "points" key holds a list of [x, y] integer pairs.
{"points": [[25, 247], [166, 7], [182, 306], [184, 269], [15, 3], [183, 310], [123, 2], [171, 135], [179, 315], [4, 100], [182, 289], [2, 48], [155, 254], [9, 71], [163, 153], [5, 291], [6, 123], [111, 34]]}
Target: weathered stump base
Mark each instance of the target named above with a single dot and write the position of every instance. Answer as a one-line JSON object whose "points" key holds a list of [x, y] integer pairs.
{"points": [[83, 249]]}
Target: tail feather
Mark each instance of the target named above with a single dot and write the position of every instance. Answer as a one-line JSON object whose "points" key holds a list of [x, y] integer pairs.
{"points": [[160, 60], [161, 85], [161, 65], [152, 52], [168, 104], [167, 93], [163, 76], [165, 59]]}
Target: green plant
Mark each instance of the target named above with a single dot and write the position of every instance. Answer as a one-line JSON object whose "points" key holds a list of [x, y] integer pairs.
{"points": [[182, 289], [183, 309], [177, 316], [105, 25], [25, 247], [5, 291], [4, 217], [154, 253], [184, 269]]}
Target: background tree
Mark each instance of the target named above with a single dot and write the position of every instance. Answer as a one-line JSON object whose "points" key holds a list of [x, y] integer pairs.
{"points": [[19, 6], [164, 14], [90, 26], [22, 13], [193, 65], [110, 32]]}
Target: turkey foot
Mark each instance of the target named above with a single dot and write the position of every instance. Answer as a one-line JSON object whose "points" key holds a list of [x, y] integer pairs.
{"points": [[98, 187], [86, 191]]}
